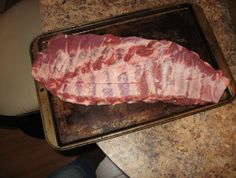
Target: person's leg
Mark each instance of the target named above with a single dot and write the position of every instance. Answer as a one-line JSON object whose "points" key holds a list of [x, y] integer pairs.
{"points": [[107, 169], [80, 168], [84, 166]]}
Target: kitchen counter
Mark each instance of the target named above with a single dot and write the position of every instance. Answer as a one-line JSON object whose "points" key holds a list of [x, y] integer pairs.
{"points": [[201, 145]]}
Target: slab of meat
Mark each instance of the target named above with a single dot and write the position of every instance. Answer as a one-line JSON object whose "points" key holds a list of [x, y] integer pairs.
{"points": [[105, 69]]}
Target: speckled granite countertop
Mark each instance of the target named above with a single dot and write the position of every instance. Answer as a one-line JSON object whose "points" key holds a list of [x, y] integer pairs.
{"points": [[202, 145]]}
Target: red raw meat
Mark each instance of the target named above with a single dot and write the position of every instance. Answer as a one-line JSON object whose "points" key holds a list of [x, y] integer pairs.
{"points": [[105, 69]]}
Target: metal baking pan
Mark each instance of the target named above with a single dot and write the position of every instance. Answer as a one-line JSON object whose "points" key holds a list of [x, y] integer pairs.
{"points": [[68, 125]]}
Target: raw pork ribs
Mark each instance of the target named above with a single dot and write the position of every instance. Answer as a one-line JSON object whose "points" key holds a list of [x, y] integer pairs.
{"points": [[106, 70]]}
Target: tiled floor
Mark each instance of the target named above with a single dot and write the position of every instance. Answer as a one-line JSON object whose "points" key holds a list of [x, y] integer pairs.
{"points": [[18, 26]]}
